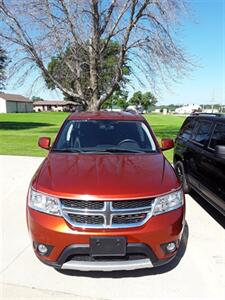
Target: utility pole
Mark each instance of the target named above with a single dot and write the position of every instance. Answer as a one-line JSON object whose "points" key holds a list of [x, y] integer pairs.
{"points": [[213, 99]]}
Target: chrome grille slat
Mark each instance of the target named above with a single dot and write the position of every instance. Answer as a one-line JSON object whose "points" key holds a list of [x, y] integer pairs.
{"points": [[81, 212], [111, 214]]}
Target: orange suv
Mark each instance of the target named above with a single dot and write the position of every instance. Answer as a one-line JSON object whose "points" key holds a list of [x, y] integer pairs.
{"points": [[105, 198]]}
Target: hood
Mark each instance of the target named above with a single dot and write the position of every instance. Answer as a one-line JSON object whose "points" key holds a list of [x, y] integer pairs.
{"points": [[105, 176]]}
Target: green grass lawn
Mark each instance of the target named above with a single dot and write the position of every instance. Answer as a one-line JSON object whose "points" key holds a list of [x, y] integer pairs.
{"points": [[165, 127], [19, 133]]}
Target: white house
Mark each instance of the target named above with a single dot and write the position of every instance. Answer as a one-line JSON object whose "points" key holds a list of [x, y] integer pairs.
{"points": [[211, 111], [12, 103], [55, 105], [188, 109]]}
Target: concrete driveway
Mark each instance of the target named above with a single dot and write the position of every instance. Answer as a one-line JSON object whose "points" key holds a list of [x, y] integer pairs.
{"points": [[198, 273]]}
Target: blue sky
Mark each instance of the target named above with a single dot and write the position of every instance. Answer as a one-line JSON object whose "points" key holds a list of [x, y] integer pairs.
{"points": [[203, 37]]}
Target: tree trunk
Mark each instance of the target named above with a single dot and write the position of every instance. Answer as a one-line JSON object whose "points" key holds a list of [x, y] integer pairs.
{"points": [[93, 77], [94, 57], [93, 105]]}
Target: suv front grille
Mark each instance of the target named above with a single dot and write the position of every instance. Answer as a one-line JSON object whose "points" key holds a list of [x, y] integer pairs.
{"points": [[81, 204], [128, 219], [128, 204], [107, 214], [86, 219]]}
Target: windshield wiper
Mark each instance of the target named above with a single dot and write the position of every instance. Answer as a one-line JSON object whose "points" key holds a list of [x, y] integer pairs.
{"points": [[120, 150], [68, 150], [107, 150]]}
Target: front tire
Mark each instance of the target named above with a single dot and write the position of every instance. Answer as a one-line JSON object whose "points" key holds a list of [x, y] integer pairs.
{"points": [[180, 171]]}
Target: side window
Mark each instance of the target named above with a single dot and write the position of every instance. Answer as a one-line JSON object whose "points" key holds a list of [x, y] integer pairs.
{"points": [[187, 130], [203, 132], [218, 136]]}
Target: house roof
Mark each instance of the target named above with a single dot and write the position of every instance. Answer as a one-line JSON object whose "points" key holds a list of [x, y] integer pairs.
{"points": [[52, 102], [14, 97]]}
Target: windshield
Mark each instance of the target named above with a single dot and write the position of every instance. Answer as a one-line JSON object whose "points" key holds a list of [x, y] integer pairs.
{"points": [[104, 136]]}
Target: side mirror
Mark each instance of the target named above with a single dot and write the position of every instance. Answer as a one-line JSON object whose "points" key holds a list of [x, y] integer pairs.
{"points": [[220, 151], [167, 144], [44, 142]]}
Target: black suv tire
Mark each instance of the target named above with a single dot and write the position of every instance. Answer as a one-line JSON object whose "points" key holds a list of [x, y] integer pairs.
{"points": [[180, 171]]}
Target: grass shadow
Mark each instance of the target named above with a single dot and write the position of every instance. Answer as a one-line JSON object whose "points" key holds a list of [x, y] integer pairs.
{"points": [[137, 273], [22, 125]]}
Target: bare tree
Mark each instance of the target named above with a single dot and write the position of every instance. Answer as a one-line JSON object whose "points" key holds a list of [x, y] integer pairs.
{"points": [[3, 64], [34, 31]]}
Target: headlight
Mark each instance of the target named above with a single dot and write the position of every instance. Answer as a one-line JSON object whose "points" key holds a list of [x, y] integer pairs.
{"points": [[44, 203], [168, 202]]}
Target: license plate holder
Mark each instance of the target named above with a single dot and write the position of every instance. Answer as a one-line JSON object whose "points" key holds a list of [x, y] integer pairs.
{"points": [[108, 246]]}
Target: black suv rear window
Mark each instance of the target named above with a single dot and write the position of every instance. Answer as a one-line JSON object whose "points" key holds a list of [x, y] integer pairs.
{"points": [[203, 132], [218, 136]]}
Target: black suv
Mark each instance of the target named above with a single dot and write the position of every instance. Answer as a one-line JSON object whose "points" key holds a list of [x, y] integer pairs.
{"points": [[199, 157]]}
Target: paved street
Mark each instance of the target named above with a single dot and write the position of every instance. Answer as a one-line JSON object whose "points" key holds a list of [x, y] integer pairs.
{"points": [[200, 273]]}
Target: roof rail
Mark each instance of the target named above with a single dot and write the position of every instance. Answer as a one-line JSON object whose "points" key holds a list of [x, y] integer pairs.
{"points": [[208, 114]]}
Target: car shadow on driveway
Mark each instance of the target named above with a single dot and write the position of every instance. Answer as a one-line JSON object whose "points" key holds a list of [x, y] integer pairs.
{"points": [[137, 273], [215, 214]]}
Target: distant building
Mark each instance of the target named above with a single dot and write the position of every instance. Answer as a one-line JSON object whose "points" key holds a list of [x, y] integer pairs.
{"points": [[188, 109], [211, 110], [138, 109], [118, 109], [12, 103], [55, 105], [165, 111]]}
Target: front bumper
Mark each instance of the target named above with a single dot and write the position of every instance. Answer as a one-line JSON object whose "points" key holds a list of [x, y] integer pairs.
{"points": [[71, 247], [77, 257]]}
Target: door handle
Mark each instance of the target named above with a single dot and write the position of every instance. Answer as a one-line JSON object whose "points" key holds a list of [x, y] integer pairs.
{"points": [[205, 158]]}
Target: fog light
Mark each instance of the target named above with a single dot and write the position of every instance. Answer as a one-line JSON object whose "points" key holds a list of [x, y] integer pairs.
{"points": [[42, 249], [171, 247]]}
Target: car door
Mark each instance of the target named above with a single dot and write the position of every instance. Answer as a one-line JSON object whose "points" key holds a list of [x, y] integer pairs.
{"points": [[213, 168]]}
